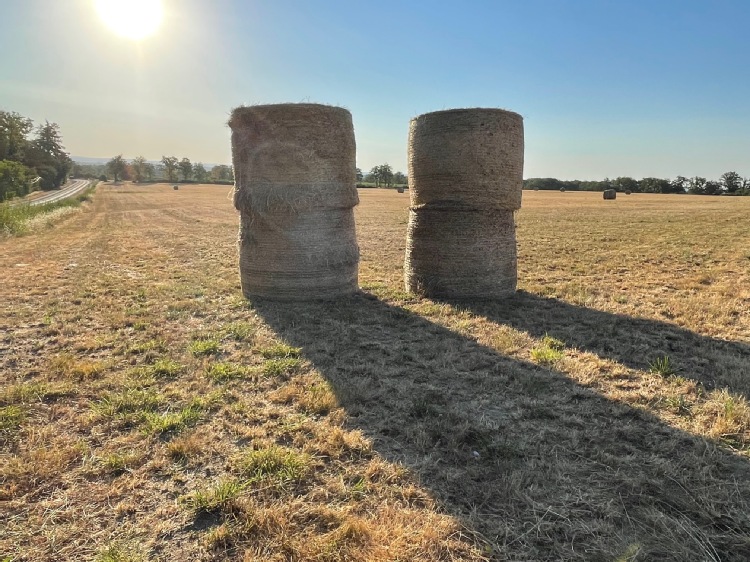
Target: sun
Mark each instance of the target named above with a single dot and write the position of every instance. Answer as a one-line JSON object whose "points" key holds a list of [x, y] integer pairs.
{"points": [[134, 19]]}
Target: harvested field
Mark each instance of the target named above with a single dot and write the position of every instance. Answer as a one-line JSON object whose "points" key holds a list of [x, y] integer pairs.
{"points": [[149, 412]]}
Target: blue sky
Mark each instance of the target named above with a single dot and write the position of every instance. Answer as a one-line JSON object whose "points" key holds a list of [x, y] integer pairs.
{"points": [[638, 88]]}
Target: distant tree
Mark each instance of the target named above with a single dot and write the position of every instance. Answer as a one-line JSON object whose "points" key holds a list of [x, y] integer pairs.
{"points": [[382, 175], [139, 168], [399, 178], [15, 179], [200, 173], [149, 171], [654, 185], [360, 175], [170, 167], [679, 184], [117, 167], [14, 129], [186, 168], [712, 188], [732, 182], [697, 185], [625, 183], [221, 172], [46, 154]]}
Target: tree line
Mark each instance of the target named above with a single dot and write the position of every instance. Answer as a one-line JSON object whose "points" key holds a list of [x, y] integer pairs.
{"points": [[382, 176], [31, 157], [171, 169], [729, 183]]}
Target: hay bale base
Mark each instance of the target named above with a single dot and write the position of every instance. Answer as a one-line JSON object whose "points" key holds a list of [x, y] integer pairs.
{"points": [[461, 254]]}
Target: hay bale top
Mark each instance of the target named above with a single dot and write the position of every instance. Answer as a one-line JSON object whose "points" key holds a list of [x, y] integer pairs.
{"points": [[468, 112], [293, 156], [466, 158]]}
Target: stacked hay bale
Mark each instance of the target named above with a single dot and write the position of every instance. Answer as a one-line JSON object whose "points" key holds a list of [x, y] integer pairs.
{"points": [[610, 194], [465, 182], [294, 168]]}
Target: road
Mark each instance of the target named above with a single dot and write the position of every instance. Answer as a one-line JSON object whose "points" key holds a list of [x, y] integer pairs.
{"points": [[70, 189], [73, 187]]}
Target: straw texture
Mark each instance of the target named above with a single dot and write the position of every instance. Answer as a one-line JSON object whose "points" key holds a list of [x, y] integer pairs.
{"points": [[465, 182], [461, 254], [471, 158], [295, 189]]}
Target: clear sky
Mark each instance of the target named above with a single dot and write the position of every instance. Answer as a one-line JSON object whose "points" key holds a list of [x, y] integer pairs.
{"points": [[606, 88]]}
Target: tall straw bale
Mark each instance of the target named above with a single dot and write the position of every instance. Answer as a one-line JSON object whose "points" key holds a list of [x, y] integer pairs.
{"points": [[294, 167], [610, 194], [465, 182]]}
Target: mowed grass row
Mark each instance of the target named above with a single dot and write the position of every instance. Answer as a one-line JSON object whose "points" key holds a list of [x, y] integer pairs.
{"points": [[149, 412]]}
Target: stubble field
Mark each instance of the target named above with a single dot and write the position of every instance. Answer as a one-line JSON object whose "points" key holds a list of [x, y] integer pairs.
{"points": [[149, 412]]}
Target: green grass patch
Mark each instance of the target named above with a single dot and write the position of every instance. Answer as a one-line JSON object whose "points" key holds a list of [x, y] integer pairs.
{"points": [[165, 368], [549, 351], [155, 423], [127, 402], [277, 463], [662, 366], [120, 553], [204, 347], [11, 418], [240, 331], [280, 367], [280, 351], [220, 497]]}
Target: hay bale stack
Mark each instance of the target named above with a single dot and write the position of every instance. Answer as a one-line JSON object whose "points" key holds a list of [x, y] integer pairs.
{"points": [[294, 167], [465, 182], [610, 194]]}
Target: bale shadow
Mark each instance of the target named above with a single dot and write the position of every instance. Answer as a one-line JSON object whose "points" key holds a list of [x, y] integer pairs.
{"points": [[542, 467], [633, 342]]}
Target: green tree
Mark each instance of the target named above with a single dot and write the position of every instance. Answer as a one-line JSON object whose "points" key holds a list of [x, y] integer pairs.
{"points": [[117, 167], [697, 185], [679, 184], [399, 178], [359, 175], [186, 168], [15, 179], [731, 182], [46, 154], [170, 167], [139, 168], [712, 188], [200, 173], [221, 172], [149, 171], [625, 183], [14, 128]]}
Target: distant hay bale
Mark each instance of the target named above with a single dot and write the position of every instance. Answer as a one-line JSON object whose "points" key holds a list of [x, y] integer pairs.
{"points": [[610, 194], [465, 182], [294, 167], [471, 158], [562, 190], [175, 187], [399, 189], [628, 192]]}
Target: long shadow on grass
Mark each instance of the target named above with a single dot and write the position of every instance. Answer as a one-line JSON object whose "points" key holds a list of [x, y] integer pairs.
{"points": [[544, 468], [634, 342]]}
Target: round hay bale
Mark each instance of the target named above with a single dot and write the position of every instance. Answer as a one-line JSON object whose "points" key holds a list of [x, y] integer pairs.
{"points": [[461, 253], [293, 156], [465, 181], [175, 187], [466, 158], [295, 175], [610, 194], [399, 189], [628, 192], [562, 190]]}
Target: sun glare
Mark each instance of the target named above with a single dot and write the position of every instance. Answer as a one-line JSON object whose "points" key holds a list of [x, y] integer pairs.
{"points": [[134, 19]]}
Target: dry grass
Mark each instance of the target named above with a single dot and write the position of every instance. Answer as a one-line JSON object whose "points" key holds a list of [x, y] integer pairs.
{"points": [[148, 412]]}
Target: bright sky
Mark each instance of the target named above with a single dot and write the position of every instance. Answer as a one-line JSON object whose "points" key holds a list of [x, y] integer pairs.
{"points": [[606, 88]]}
